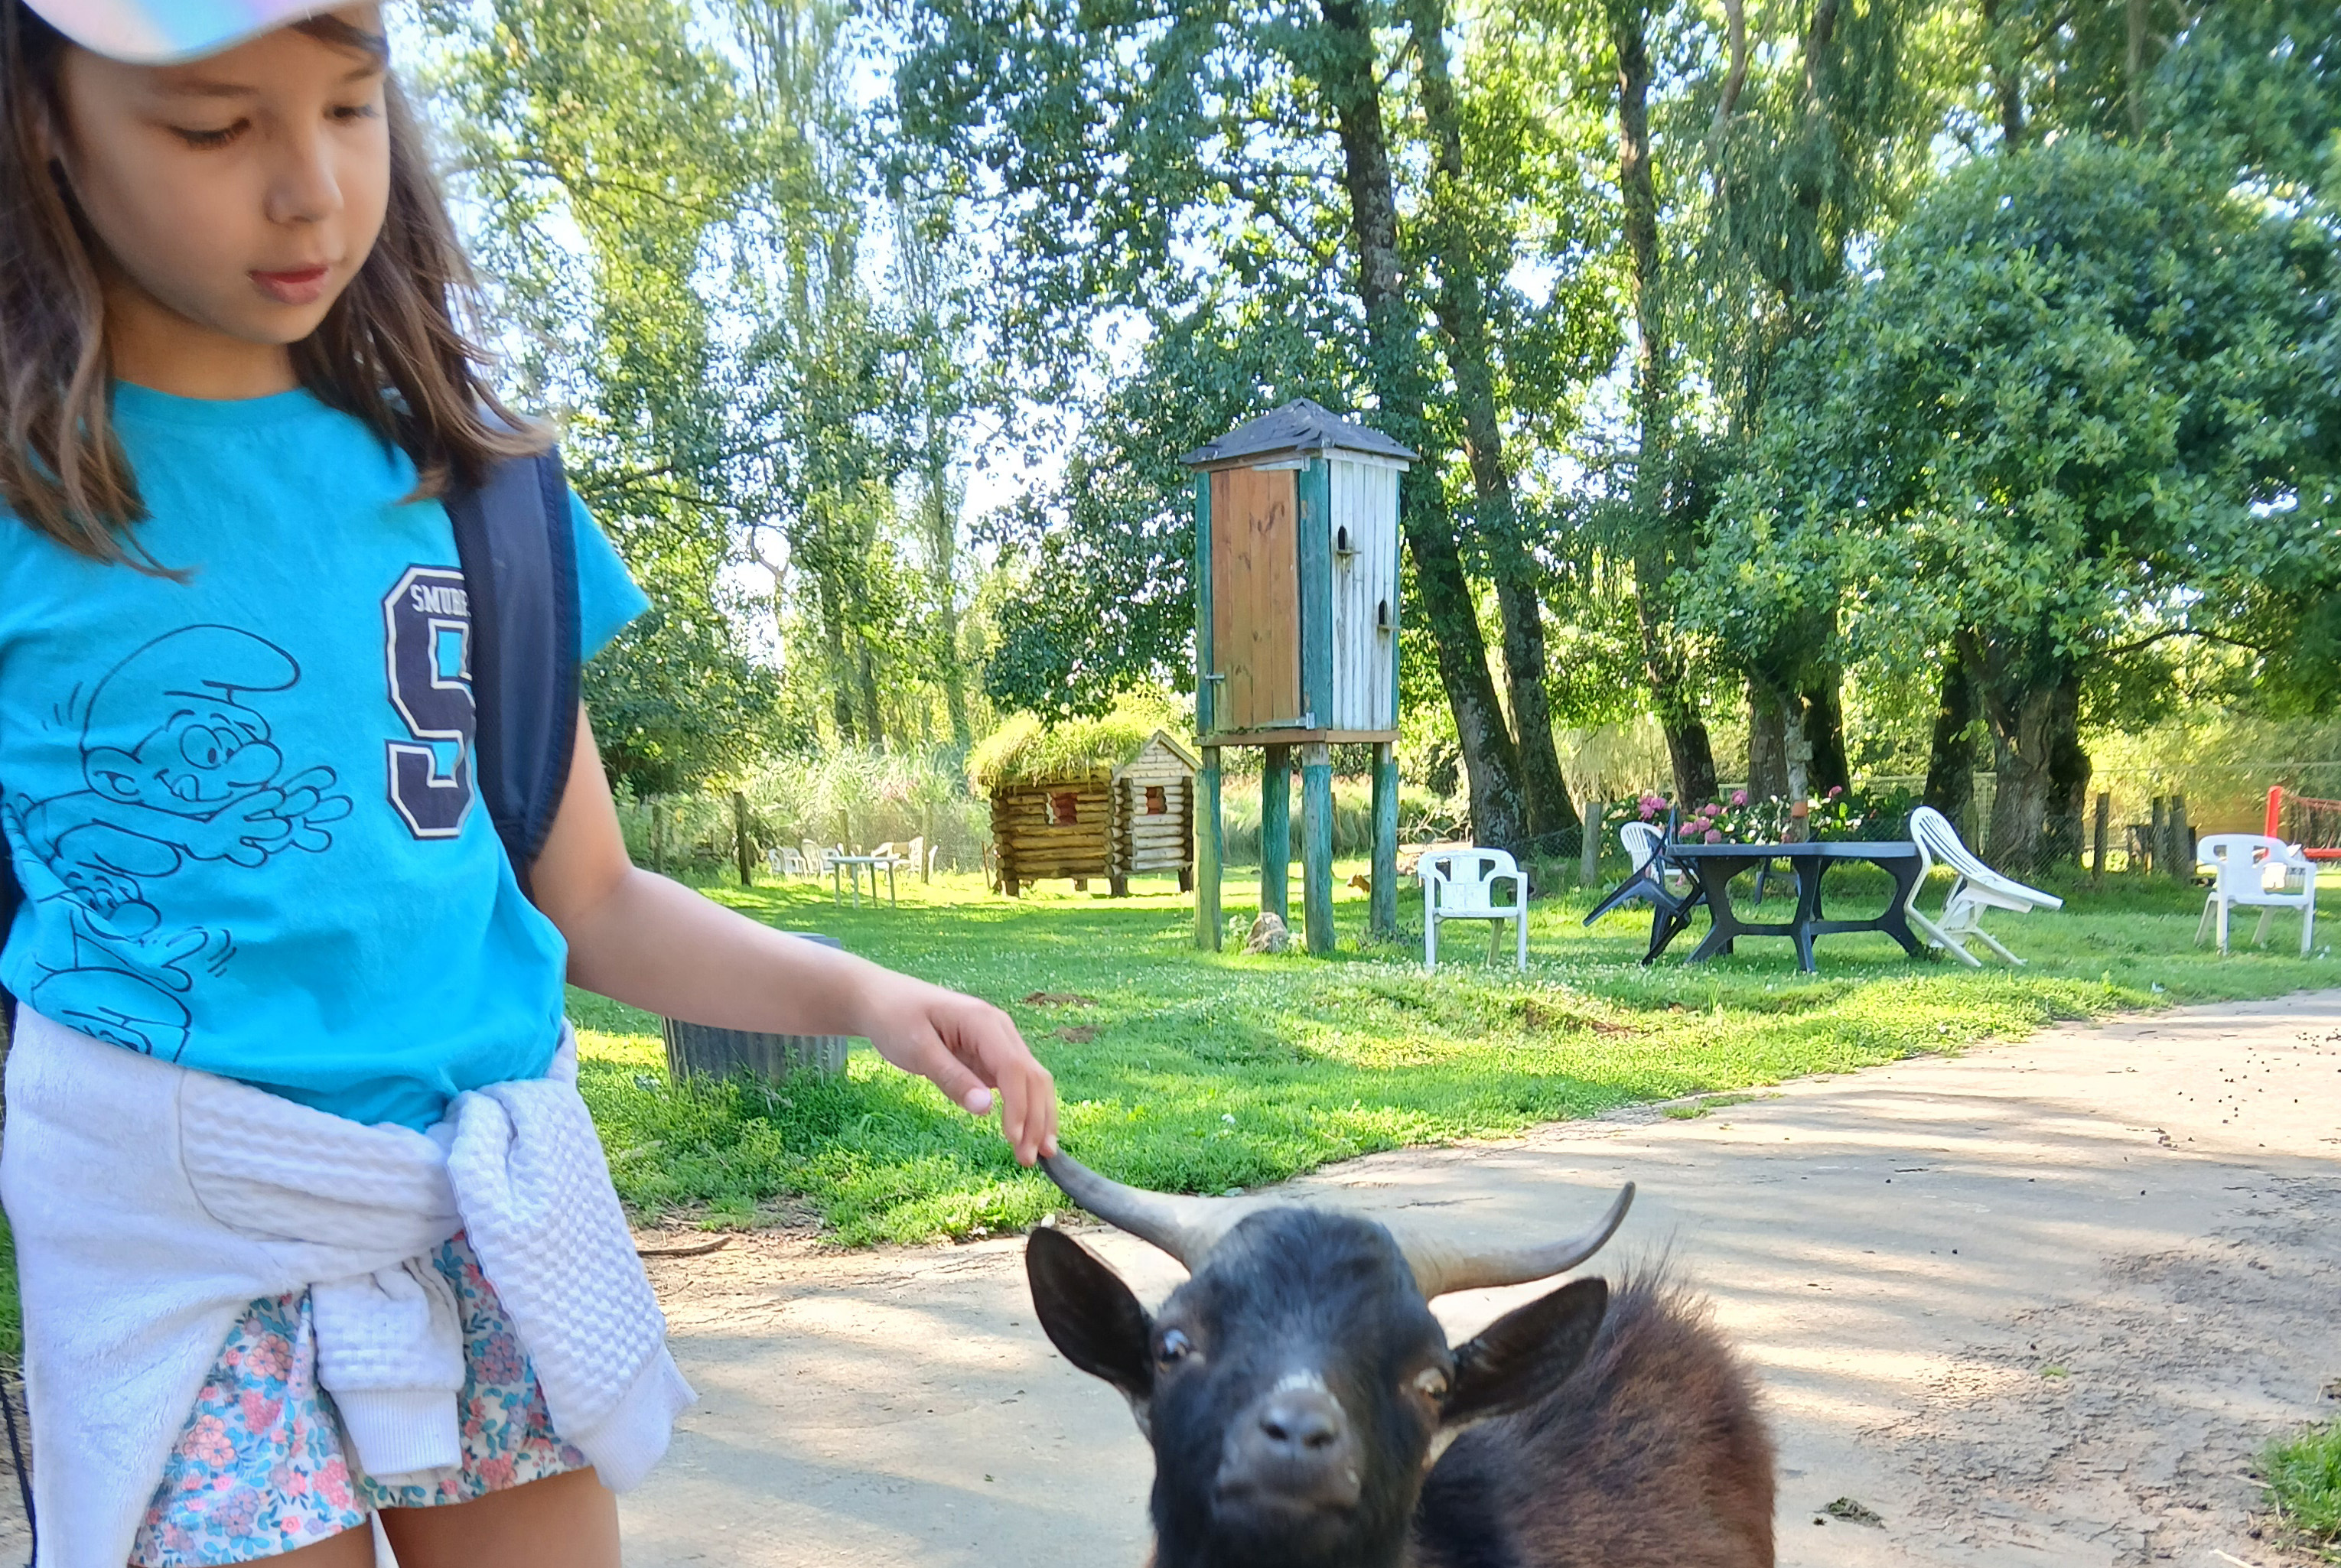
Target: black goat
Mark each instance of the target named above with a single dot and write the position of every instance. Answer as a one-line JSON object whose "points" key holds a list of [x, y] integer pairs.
{"points": [[1306, 1410]]}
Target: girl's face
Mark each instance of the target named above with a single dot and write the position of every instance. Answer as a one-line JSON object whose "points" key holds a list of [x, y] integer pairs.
{"points": [[235, 197]]}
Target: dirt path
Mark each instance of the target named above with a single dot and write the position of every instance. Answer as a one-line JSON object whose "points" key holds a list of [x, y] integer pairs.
{"points": [[2038, 1305]]}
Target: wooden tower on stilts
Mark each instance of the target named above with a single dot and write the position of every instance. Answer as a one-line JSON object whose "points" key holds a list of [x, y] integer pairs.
{"points": [[1296, 644]]}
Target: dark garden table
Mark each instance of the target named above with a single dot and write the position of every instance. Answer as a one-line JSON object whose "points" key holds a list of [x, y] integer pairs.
{"points": [[1714, 866]]}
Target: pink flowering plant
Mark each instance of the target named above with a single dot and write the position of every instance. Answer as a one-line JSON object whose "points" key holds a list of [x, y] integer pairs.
{"points": [[1773, 820], [1836, 815]]}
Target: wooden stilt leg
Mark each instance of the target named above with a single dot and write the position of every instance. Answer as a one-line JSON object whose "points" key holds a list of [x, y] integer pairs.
{"points": [[1317, 843], [1208, 846], [1382, 908], [1276, 831]]}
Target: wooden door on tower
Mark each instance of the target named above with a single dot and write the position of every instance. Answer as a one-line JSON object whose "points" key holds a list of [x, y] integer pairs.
{"points": [[1256, 599]]}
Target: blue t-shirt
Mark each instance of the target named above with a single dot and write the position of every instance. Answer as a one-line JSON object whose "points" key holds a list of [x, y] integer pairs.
{"points": [[240, 805]]}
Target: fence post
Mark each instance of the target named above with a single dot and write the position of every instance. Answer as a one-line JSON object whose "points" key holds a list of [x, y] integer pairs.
{"points": [[739, 834], [2157, 849], [926, 841], [2182, 842], [658, 838], [1588, 848], [2104, 826]]}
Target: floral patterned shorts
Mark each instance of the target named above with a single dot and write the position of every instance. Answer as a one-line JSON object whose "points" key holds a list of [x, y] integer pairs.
{"points": [[261, 1467]]}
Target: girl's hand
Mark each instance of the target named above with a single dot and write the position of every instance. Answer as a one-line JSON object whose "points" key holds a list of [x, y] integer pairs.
{"points": [[967, 1049]]}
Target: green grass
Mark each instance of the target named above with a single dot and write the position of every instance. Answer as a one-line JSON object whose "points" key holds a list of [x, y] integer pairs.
{"points": [[2304, 1482], [1201, 1072]]}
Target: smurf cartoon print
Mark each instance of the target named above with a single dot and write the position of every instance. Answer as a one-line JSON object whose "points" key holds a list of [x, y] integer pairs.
{"points": [[177, 765]]}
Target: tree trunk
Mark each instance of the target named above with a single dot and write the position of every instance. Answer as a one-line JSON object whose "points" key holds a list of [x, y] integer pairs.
{"points": [[1461, 307], [866, 686], [1767, 756], [942, 550], [1347, 69], [2023, 698], [1688, 745], [2007, 87], [1950, 757], [832, 637], [2069, 775], [1825, 729]]}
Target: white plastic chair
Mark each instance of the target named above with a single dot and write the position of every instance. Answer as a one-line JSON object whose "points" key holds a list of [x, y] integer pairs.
{"points": [[1974, 888], [1459, 885], [785, 862], [1643, 841], [2258, 873]]}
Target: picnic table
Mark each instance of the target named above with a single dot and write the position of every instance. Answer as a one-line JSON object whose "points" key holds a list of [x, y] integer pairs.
{"points": [[1717, 864], [1714, 865]]}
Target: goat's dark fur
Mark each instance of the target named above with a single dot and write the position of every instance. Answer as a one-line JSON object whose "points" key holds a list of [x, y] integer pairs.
{"points": [[1652, 1456]]}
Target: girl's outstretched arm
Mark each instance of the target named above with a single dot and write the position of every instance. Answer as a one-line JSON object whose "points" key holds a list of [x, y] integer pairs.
{"points": [[656, 944]]}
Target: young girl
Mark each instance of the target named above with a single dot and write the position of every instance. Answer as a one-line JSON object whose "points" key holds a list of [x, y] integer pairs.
{"points": [[294, 1159]]}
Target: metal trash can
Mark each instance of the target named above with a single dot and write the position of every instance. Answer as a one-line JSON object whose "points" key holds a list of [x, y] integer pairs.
{"points": [[716, 1053]]}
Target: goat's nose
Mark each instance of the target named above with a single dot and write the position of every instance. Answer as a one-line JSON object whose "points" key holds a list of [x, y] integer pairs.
{"points": [[1293, 1450], [1303, 1423]]}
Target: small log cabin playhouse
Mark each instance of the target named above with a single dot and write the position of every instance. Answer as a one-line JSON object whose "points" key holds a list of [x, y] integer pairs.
{"points": [[1109, 820]]}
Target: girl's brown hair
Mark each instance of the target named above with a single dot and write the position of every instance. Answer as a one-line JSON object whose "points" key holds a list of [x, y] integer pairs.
{"points": [[390, 351]]}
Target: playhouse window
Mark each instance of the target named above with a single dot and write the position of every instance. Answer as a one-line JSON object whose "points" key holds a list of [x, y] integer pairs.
{"points": [[1065, 809], [1156, 805], [1341, 541], [1381, 614]]}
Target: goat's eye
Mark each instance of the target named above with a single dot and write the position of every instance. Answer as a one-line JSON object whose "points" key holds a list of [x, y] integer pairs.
{"points": [[1175, 1348], [1431, 1384]]}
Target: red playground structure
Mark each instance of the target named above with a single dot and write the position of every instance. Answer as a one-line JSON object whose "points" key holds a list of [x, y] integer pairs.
{"points": [[2313, 824]]}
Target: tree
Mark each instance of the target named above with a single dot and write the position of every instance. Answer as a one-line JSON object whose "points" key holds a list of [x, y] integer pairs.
{"points": [[2064, 419], [1156, 163], [668, 198], [598, 146]]}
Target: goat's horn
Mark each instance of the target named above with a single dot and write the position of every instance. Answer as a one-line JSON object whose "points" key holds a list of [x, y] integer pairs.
{"points": [[1189, 1228], [1440, 1265], [1185, 1227]]}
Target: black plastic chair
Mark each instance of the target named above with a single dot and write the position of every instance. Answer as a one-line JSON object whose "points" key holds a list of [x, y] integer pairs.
{"points": [[1669, 911]]}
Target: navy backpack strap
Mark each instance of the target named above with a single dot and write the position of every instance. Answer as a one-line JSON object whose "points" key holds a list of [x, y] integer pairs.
{"points": [[519, 553]]}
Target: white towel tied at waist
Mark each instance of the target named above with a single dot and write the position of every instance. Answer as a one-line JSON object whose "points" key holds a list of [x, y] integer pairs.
{"points": [[152, 1203]]}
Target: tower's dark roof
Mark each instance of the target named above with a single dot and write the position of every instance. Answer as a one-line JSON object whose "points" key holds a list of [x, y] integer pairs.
{"points": [[1298, 426]]}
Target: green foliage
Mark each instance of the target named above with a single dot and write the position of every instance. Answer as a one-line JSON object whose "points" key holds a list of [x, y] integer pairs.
{"points": [[674, 702], [2255, 93], [670, 201], [2068, 410], [611, 126]]}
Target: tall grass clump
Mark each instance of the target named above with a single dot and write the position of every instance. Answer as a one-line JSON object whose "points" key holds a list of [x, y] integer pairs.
{"points": [[2303, 1482], [858, 796]]}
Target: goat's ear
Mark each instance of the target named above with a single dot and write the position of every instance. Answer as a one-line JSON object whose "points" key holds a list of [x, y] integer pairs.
{"points": [[1526, 1354], [1088, 1314]]}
